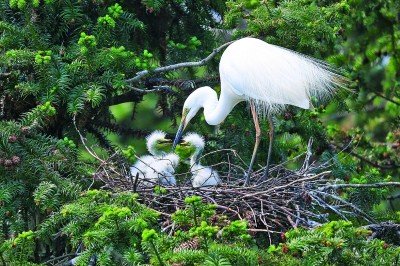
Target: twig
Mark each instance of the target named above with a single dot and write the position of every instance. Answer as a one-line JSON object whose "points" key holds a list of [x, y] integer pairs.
{"points": [[358, 210], [61, 257], [308, 156], [94, 155], [289, 184]]}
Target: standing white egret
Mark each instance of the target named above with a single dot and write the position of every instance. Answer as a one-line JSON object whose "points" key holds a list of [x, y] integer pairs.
{"points": [[268, 77], [160, 165], [202, 176]]}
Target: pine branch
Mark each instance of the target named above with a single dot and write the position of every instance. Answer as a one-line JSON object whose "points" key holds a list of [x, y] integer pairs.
{"points": [[5, 74], [103, 141], [387, 98], [131, 96], [122, 130], [135, 95], [160, 85], [345, 149], [202, 62]]}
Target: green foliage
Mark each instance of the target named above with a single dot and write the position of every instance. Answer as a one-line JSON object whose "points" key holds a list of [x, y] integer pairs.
{"points": [[20, 249], [112, 226], [236, 230], [337, 243], [63, 64], [194, 213], [43, 57]]}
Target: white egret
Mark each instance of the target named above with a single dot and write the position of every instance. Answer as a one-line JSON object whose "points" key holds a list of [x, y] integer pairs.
{"points": [[268, 77], [202, 176], [160, 165]]}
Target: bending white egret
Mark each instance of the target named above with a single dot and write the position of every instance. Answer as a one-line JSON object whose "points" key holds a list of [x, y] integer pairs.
{"points": [[160, 165], [202, 176], [268, 77]]}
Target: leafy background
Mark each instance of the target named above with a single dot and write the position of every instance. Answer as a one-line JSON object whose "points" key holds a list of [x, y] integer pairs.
{"points": [[66, 61]]}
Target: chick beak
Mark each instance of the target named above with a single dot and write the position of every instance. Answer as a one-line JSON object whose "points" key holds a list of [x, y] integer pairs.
{"points": [[184, 143], [165, 141]]}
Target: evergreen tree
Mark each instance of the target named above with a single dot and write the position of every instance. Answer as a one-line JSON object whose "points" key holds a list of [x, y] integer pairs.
{"points": [[64, 66]]}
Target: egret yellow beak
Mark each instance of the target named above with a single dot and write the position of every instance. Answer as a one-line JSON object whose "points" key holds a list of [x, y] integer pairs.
{"points": [[179, 134]]}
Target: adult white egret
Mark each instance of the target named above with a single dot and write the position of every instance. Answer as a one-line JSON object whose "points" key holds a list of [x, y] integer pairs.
{"points": [[268, 77], [202, 176], [160, 165]]}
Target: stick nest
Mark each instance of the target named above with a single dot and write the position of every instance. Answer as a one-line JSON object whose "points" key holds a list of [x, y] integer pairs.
{"points": [[286, 199]]}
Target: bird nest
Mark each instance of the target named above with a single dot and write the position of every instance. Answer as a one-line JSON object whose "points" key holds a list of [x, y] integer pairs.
{"points": [[286, 199]]}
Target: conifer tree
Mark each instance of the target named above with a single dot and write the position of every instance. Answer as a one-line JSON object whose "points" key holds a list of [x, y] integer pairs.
{"points": [[63, 64]]}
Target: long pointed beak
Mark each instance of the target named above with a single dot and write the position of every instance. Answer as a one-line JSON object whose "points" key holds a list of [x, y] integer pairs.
{"points": [[179, 134]]}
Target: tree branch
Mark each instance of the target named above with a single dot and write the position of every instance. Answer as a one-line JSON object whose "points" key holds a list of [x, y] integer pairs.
{"points": [[141, 74], [372, 185], [387, 167], [387, 98], [135, 94], [5, 74], [122, 130], [60, 258]]}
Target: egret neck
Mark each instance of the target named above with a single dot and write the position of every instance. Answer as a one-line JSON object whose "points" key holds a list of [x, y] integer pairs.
{"points": [[215, 111]]}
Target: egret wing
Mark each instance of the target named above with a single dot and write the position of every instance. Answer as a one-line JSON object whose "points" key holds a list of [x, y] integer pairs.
{"points": [[273, 76]]}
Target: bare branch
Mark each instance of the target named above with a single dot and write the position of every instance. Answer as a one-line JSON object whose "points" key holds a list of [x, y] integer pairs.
{"points": [[202, 62], [373, 185]]}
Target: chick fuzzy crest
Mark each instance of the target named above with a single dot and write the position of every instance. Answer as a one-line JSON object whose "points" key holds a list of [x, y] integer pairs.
{"points": [[152, 141]]}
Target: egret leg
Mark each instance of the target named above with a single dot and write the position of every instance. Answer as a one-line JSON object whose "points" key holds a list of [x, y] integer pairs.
{"points": [[258, 134], [271, 140]]}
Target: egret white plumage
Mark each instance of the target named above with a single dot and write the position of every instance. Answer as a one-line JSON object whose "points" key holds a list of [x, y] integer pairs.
{"points": [[202, 176], [268, 77], [160, 165]]}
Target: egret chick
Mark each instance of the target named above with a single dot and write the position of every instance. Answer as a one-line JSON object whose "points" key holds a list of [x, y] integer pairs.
{"points": [[202, 176], [163, 169], [160, 165]]}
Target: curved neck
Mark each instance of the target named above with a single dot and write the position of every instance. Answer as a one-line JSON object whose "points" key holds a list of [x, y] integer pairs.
{"points": [[196, 156], [157, 153], [215, 111], [195, 160]]}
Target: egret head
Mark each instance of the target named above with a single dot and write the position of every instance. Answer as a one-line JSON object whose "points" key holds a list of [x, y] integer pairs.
{"points": [[192, 105], [157, 143]]}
